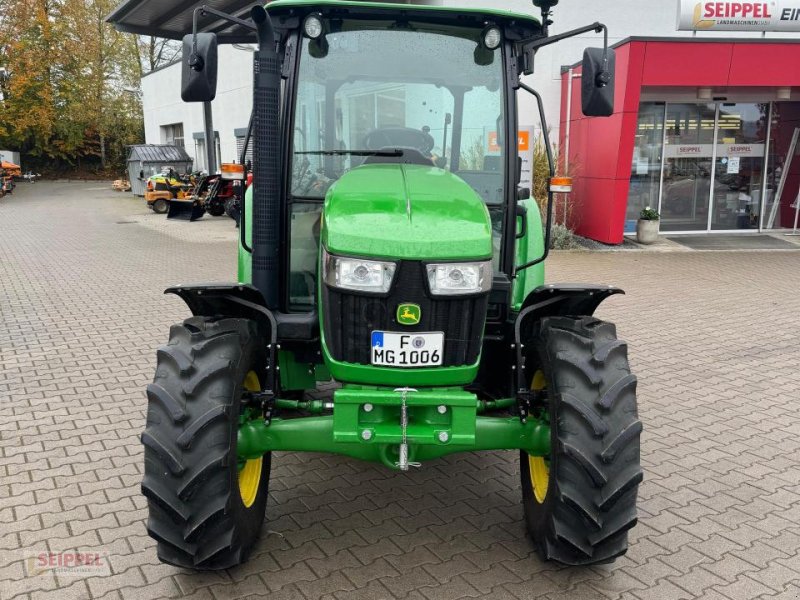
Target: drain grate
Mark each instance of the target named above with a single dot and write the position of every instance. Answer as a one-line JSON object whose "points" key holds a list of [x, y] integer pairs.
{"points": [[126, 222]]}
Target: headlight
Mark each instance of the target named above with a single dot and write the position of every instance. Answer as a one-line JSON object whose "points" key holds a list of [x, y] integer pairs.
{"points": [[358, 273], [450, 279]]}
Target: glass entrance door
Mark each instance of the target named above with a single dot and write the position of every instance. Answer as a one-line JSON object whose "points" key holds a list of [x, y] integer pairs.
{"points": [[739, 166], [688, 164], [713, 169]]}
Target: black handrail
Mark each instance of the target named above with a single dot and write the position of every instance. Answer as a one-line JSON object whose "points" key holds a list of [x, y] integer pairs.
{"points": [[552, 168], [242, 209]]}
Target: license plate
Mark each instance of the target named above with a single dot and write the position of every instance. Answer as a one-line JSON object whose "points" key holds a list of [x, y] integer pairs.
{"points": [[391, 349]]}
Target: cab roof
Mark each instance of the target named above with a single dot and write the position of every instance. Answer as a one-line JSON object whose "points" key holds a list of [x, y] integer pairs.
{"points": [[173, 18], [279, 6]]}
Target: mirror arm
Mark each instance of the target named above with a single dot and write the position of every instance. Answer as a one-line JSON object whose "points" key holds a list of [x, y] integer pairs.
{"points": [[603, 77], [537, 43], [195, 62], [552, 168]]}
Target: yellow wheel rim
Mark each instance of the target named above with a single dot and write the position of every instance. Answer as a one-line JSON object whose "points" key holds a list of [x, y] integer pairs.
{"points": [[250, 475], [540, 477], [538, 468], [249, 478]]}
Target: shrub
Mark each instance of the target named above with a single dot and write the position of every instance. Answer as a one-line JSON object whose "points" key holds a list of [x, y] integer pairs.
{"points": [[562, 238], [649, 214]]}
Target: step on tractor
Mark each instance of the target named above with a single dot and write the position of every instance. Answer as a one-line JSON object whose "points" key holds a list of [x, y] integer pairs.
{"points": [[387, 245]]}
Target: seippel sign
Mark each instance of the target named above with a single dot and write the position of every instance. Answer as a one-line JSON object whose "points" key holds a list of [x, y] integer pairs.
{"points": [[772, 15], [707, 150]]}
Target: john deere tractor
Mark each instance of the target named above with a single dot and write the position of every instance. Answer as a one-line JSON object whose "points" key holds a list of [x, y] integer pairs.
{"points": [[386, 245]]}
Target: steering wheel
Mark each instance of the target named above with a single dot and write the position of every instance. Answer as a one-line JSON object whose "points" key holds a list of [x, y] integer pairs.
{"points": [[399, 137]]}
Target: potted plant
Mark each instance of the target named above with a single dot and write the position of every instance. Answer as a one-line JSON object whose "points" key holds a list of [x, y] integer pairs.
{"points": [[647, 226]]}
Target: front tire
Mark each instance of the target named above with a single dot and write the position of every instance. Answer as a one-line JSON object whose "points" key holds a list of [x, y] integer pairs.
{"points": [[205, 510], [160, 206], [216, 208], [580, 501]]}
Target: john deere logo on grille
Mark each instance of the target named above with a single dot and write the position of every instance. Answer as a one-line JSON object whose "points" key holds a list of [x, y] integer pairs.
{"points": [[408, 314]]}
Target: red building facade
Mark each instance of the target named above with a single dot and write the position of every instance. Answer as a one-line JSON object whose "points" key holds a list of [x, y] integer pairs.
{"points": [[701, 130]]}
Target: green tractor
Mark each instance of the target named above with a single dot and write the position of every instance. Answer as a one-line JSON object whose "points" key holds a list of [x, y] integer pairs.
{"points": [[386, 245]]}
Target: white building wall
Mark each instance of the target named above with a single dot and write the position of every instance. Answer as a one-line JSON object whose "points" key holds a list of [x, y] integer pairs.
{"points": [[231, 108], [162, 104]]}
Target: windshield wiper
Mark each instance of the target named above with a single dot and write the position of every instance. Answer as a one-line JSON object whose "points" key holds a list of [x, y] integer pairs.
{"points": [[392, 152]]}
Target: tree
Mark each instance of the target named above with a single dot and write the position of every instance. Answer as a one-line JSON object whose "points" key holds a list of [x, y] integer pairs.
{"points": [[64, 100], [28, 107], [156, 52]]}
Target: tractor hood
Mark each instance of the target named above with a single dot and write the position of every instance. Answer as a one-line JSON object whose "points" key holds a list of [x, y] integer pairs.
{"points": [[406, 212]]}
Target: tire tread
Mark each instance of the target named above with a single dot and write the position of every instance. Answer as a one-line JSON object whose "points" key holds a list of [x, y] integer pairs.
{"points": [[189, 445], [595, 471]]}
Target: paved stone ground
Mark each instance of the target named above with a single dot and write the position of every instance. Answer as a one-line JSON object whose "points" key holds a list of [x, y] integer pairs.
{"points": [[715, 338]]}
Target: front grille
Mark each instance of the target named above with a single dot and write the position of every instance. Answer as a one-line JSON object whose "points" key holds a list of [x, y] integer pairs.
{"points": [[349, 318]]}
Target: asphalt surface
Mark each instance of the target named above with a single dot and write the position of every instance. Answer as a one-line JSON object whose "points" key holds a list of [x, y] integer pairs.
{"points": [[714, 338]]}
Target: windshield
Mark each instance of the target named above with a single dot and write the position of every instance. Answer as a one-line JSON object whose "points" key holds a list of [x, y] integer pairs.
{"points": [[373, 87]]}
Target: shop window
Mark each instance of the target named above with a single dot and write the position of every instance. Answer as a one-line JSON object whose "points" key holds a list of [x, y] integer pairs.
{"points": [[646, 163], [779, 209]]}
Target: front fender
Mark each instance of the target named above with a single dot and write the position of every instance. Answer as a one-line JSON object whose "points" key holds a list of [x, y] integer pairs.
{"points": [[235, 300], [559, 299], [577, 299]]}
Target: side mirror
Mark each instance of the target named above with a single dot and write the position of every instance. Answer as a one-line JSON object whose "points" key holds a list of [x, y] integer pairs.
{"points": [[199, 71], [597, 82]]}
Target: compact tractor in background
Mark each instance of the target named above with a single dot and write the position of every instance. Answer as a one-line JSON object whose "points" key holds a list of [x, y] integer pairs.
{"points": [[387, 245], [212, 194], [166, 186], [189, 197]]}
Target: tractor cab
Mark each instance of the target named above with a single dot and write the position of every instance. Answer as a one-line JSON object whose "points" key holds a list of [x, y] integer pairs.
{"points": [[406, 106], [410, 109], [386, 245]]}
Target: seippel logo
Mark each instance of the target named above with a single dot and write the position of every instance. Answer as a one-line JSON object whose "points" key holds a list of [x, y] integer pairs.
{"points": [[699, 21], [408, 314], [706, 13]]}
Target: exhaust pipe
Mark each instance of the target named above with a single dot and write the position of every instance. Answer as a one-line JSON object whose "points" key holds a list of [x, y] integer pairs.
{"points": [[266, 222]]}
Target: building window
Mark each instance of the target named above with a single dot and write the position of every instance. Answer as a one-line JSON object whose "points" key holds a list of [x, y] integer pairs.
{"points": [[201, 158], [240, 146], [173, 134]]}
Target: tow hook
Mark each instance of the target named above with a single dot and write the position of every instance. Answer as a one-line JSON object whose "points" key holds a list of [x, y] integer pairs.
{"points": [[402, 462]]}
